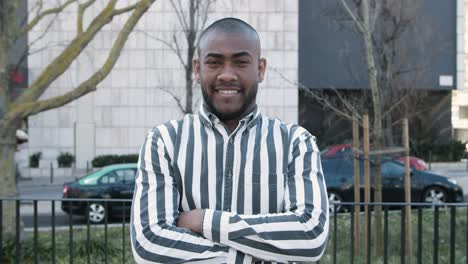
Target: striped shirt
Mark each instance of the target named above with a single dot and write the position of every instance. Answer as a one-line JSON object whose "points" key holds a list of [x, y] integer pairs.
{"points": [[262, 187]]}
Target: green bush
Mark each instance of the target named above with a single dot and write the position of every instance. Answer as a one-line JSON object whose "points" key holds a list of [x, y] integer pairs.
{"points": [[447, 151], [118, 247], [104, 160], [65, 160], [34, 159]]}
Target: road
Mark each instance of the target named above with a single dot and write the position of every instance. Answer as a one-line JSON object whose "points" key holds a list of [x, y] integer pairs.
{"points": [[45, 193]]}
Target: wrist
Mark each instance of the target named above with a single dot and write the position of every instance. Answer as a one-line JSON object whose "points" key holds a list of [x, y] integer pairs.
{"points": [[202, 221]]}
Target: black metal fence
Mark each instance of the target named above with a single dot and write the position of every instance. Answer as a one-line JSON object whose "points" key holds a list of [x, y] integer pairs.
{"points": [[96, 244], [439, 233]]}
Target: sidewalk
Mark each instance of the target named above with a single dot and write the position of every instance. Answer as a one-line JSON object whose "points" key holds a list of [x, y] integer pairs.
{"points": [[451, 169], [46, 180]]}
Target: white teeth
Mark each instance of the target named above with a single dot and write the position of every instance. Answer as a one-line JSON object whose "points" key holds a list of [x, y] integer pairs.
{"points": [[228, 91]]}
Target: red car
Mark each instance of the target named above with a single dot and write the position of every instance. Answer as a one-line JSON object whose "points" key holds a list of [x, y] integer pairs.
{"points": [[341, 149]]}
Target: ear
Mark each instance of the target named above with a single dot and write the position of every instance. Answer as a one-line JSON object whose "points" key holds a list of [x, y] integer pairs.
{"points": [[261, 69], [196, 69]]}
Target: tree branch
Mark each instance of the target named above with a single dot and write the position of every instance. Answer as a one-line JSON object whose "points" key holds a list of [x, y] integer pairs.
{"points": [[352, 15], [374, 15], [395, 105], [41, 15], [321, 99], [176, 50], [176, 98], [20, 111], [180, 16], [124, 9], [81, 10], [61, 63], [204, 16]]}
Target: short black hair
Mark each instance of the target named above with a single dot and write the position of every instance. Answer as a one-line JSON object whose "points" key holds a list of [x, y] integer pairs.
{"points": [[228, 25]]}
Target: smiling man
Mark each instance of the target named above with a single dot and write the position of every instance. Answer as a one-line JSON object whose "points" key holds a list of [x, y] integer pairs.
{"points": [[229, 185]]}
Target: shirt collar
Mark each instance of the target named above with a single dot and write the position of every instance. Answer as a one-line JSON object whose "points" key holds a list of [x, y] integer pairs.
{"points": [[209, 119]]}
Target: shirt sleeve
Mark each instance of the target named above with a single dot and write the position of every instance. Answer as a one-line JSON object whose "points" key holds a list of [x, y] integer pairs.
{"points": [[154, 235], [298, 234]]}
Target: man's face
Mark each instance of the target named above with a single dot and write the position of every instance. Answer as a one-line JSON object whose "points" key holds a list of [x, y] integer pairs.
{"points": [[229, 70]]}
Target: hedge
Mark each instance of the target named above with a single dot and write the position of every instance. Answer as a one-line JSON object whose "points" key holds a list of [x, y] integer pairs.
{"points": [[435, 152], [104, 160], [65, 160], [34, 159]]}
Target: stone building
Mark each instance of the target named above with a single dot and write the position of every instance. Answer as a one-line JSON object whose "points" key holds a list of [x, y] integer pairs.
{"points": [[132, 100]]}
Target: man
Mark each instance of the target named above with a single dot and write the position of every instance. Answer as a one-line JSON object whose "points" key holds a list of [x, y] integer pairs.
{"points": [[229, 185]]}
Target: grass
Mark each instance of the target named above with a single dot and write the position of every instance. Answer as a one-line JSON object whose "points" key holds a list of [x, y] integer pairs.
{"points": [[394, 245], [97, 249]]}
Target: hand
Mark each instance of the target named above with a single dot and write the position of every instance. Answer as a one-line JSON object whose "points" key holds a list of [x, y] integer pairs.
{"points": [[192, 220]]}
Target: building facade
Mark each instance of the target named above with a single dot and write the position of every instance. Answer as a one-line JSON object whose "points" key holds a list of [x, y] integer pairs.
{"points": [[460, 96], [419, 47], [134, 98]]}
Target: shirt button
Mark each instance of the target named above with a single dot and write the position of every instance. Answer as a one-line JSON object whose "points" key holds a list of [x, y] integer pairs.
{"points": [[231, 140]]}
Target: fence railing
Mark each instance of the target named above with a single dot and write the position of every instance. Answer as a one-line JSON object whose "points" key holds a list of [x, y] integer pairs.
{"points": [[439, 233], [66, 236]]}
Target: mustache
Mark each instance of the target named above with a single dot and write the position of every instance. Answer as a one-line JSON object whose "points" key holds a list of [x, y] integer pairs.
{"points": [[228, 86]]}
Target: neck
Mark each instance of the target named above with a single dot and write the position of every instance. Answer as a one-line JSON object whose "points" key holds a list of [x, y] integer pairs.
{"points": [[231, 124]]}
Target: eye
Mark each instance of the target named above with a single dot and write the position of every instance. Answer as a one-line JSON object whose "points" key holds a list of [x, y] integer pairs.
{"points": [[211, 62], [242, 62]]}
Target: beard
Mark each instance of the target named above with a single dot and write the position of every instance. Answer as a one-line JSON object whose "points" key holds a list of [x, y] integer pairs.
{"points": [[247, 105]]}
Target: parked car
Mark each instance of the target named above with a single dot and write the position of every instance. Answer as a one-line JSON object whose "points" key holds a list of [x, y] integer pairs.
{"points": [[110, 182], [426, 186], [347, 149]]}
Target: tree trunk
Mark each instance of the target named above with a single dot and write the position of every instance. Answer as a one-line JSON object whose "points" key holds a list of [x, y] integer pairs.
{"points": [[7, 178], [389, 131], [377, 131], [191, 37], [188, 88]]}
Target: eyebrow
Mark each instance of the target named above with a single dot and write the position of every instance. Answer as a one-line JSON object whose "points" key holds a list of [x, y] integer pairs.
{"points": [[235, 55]]}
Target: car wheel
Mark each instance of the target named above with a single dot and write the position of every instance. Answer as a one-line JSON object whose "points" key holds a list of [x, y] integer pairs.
{"points": [[96, 213], [334, 201], [435, 195]]}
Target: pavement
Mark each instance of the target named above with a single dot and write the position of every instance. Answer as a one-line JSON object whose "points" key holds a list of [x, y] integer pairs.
{"points": [[451, 169], [455, 170], [46, 180]]}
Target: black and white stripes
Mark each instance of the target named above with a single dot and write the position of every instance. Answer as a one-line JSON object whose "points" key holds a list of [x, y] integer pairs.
{"points": [[261, 185]]}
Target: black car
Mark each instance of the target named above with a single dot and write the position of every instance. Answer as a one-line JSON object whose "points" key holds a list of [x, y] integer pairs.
{"points": [[110, 182], [426, 186]]}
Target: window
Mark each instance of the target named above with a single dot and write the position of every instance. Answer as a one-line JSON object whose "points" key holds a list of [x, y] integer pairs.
{"points": [[109, 178], [126, 175], [463, 112]]}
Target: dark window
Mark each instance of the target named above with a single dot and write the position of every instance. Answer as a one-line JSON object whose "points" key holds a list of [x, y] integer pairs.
{"points": [[126, 175], [109, 178]]}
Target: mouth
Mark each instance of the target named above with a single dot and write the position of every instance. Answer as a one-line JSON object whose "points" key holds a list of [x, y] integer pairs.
{"points": [[227, 91]]}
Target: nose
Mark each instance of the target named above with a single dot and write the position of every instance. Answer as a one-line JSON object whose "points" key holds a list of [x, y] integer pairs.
{"points": [[227, 74]]}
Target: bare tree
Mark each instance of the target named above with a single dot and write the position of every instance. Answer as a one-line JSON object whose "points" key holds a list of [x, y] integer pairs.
{"points": [[395, 76], [13, 110], [192, 20]]}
